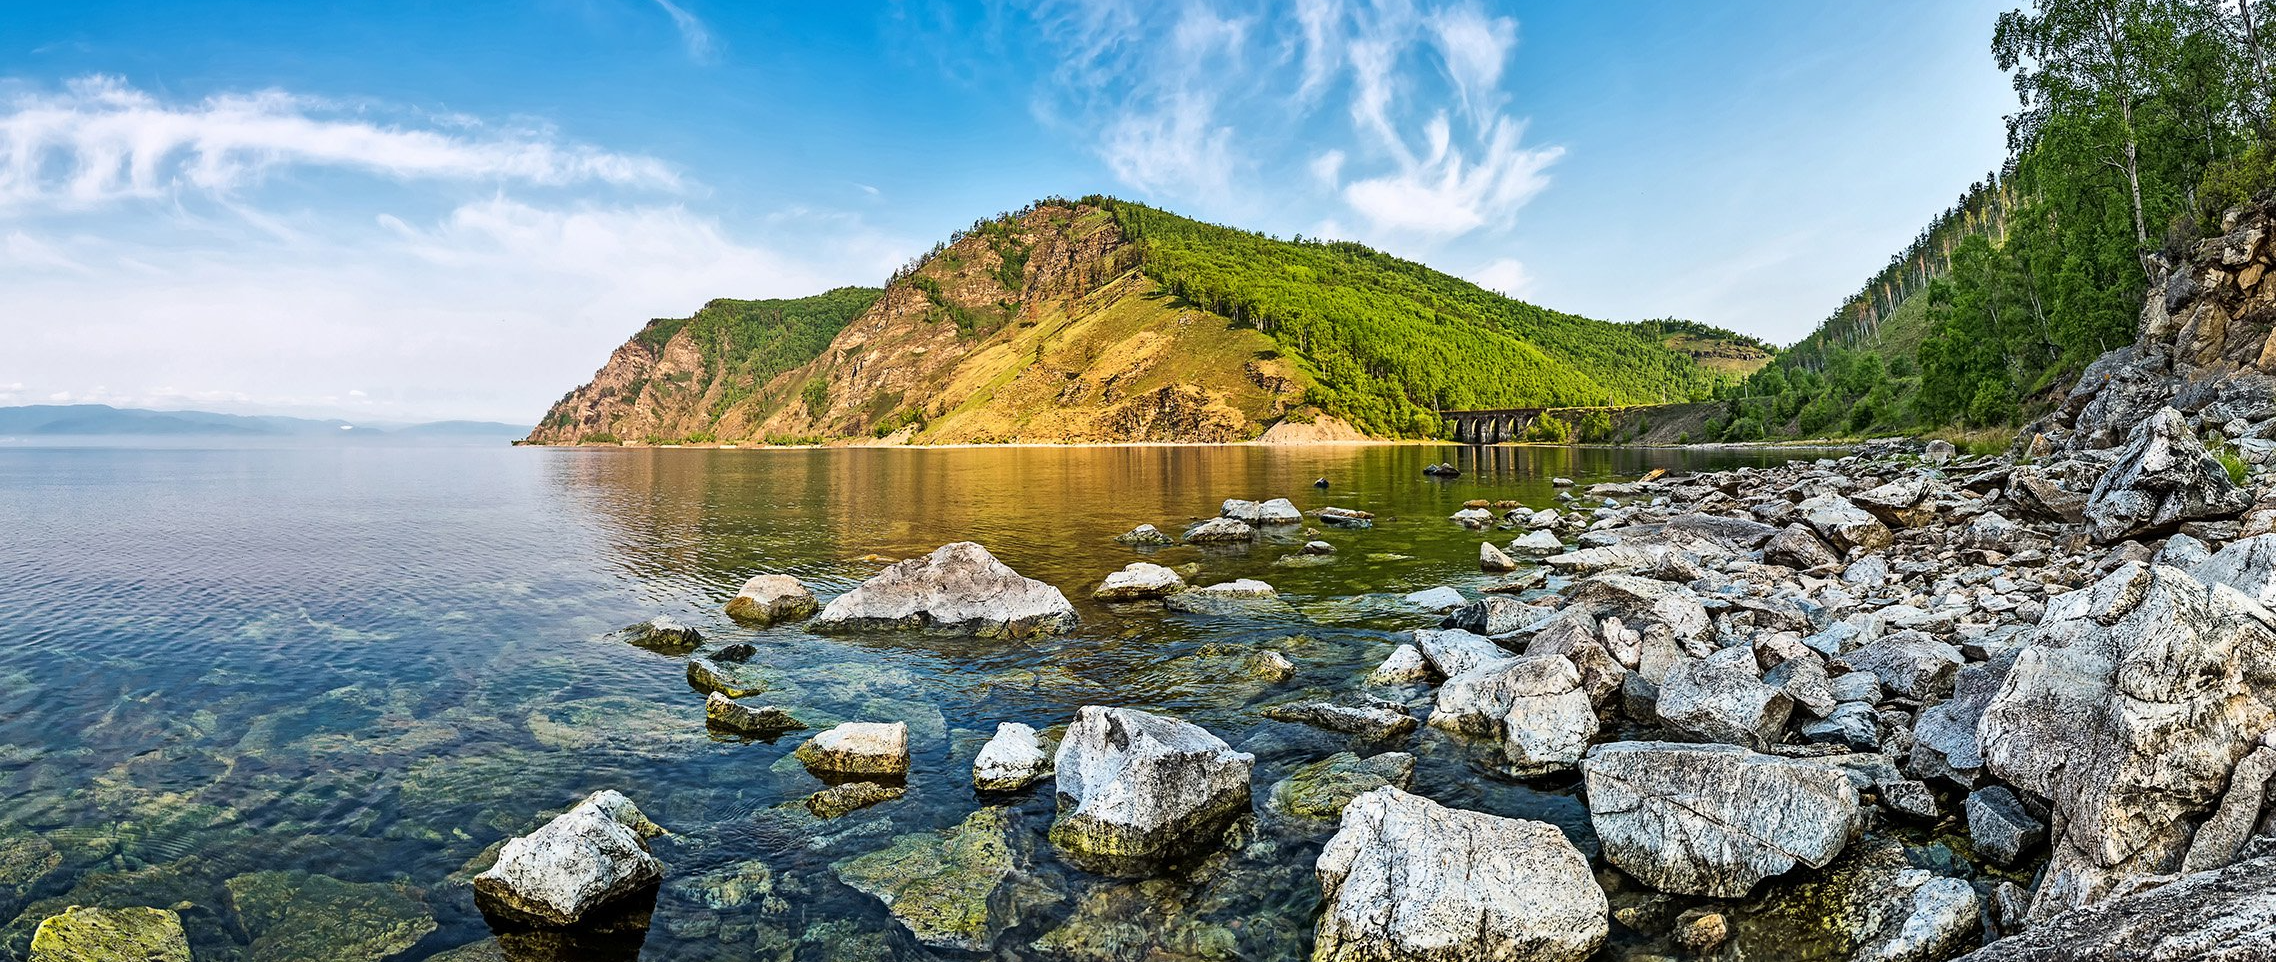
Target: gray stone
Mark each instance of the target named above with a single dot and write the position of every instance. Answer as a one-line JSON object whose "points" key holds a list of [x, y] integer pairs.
{"points": [[768, 599], [1406, 878], [1908, 663], [960, 588], [858, 748], [1537, 544], [2218, 841], [720, 711], [1851, 723], [1220, 531], [1494, 615], [1722, 698], [1714, 820], [1014, 758], [1370, 722], [1139, 581], [2000, 827], [1144, 536], [1842, 524], [1404, 666], [1798, 547], [1135, 788], [2162, 477], [2128, 709], [2223, 916], [1492, 559], [1452, 651]]}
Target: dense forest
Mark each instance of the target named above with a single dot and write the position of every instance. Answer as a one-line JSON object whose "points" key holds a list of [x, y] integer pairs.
{"points": [[2137, 123], [1389, 341]]}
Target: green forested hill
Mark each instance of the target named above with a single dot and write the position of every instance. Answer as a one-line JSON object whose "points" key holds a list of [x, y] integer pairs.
{"points": [[2137, 122], [1389, 340]]}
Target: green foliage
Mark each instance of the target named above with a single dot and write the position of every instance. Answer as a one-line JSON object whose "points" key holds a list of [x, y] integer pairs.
{"points": [[2233, 464], [2137, 123], [1390, 342], [816, 395], [1549, 429], [1595, 427]]}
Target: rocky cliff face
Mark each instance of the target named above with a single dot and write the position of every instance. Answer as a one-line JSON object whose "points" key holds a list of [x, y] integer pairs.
{"points": [[1032, 328], [2203, 348]]}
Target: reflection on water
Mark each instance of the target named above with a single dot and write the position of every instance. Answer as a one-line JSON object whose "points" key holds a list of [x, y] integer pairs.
{"points": [[303, 691]]}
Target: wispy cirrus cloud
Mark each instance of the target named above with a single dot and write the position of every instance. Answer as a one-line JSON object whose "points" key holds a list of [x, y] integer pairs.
{"points": [[1432, 151], [702, 47], [99, 140]]}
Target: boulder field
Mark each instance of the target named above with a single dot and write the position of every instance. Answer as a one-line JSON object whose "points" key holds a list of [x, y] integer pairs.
{"points": [[1763, 689]]}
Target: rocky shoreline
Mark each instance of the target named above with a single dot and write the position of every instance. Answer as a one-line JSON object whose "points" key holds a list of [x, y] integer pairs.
{"points": [[1776, 689]]}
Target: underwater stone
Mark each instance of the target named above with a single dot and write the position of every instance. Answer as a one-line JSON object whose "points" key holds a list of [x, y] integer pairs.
{"points": [[951, 889], [88, 934]]}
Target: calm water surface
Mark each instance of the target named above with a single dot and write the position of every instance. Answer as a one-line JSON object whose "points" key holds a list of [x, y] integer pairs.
{"points": [[371, 666]]}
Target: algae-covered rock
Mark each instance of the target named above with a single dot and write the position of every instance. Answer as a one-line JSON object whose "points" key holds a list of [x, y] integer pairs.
{"points": [[299, 917], [858, 748], [83, 934], [728, 671], [1321, 789], [952, 889], [839, 800], [662, 633], [762, 721], [1871, 906]]}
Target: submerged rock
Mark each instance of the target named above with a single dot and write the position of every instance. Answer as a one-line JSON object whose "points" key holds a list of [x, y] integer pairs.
{"points": [[1321, 789], [1138, 582], [2162, 477], [959, 588], [858, 748], [1345, 517], [1715, 819], [952, 889], [767, 599], [1135, 788], [1407, 878], [89, 934], [589, 859], [1012, 760], [1372, 722], [1871, 906], [764, 721], [728, 671], [296, 915], [849, 797], [1240, 597]]}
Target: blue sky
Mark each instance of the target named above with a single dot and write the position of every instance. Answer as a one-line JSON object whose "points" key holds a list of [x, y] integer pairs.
{"points": [[412, 210]]}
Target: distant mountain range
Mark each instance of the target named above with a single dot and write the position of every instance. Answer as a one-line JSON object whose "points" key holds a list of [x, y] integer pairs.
{"points": [[102, 420]]}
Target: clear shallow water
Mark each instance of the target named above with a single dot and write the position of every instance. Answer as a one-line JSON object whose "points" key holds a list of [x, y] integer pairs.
{"points": [[372, 665]]}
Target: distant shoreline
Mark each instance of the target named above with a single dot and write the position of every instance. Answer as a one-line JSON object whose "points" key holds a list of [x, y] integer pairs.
{"points": [[1813, 445]]}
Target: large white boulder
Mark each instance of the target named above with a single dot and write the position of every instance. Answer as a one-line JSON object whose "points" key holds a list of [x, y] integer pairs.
{"points": [[959, 588], [574, 866], [1135, 788], [1406, 878]]}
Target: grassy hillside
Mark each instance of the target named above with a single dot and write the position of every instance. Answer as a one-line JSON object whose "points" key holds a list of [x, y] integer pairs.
{"points": [[1389, 340]]}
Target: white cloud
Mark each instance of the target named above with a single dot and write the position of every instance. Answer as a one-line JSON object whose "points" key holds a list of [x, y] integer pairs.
{"points": [[1503, 275], [101, 140], [1328, 169], [1446, 192], [702, 48], [1475, 48]]}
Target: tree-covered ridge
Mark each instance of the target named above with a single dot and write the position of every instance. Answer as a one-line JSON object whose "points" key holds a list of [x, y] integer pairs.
{"points": [[2138, 122], [764, 337], [1389, 341]]}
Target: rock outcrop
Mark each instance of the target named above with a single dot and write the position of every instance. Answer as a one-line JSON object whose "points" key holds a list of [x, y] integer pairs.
{"points": [[959, 588], [2128, 710], [2220, 916], [1406, 878], [2161, 478]]}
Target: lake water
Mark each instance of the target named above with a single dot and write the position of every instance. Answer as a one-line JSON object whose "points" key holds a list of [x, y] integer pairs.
{"points": [[300, 692]]}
